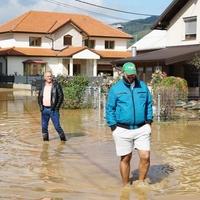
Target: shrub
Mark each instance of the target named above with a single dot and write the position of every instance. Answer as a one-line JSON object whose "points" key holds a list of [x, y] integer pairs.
{"points": [[74, 90], [179, 85], [171, 89]]}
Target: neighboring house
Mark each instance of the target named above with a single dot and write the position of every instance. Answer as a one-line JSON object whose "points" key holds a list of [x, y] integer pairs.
{"points": [[67, 44], [154, 40], [180, 21]]}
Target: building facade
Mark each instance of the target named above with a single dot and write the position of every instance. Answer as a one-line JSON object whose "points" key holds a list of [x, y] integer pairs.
{"points": [[67, 44], [177, 43]]}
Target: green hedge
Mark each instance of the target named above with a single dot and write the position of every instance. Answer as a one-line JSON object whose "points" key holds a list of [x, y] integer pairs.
{"points": [[74, 90]]}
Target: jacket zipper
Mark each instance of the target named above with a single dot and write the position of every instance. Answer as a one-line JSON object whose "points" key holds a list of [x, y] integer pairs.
{"points": [[133, 102]]}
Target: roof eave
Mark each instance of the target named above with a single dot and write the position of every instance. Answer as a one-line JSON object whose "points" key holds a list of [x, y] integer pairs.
{"points": [[28, 32], [164, 19], [121, 37], [73, 24], [120, 62]]}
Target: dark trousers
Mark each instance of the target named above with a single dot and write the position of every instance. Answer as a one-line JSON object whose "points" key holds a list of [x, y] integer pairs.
{"points": [[47, 114]]}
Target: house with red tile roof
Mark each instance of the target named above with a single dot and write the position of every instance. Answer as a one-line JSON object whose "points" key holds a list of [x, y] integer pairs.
{"points": [[67, 44]]}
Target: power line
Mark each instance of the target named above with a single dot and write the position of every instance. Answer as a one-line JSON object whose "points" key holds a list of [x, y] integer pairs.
{"points": [[93, 12], [116, 10]]}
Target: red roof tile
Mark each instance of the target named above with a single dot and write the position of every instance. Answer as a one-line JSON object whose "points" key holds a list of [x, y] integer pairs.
{"points": [[114, 54], [67, 52], [48, 22], [17, 51]]}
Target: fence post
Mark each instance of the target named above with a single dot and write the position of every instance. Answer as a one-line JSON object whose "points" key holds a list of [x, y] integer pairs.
{"points": [[158, 113], [99, 91], [94, 97], [99, 102], [104, 106]]}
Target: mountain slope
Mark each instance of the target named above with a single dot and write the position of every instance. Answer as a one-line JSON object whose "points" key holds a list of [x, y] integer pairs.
{"points": [[138, 28]]}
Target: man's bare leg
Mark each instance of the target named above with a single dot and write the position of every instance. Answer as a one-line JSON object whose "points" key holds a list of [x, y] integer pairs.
{"points": [[144, 164], [125, 168]]}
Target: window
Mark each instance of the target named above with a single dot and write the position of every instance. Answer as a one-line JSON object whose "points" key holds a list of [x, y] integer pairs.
{"points": [[109, 44], [90, 44], [34, 69], [67, 40], [190, 28], [35, 41]]}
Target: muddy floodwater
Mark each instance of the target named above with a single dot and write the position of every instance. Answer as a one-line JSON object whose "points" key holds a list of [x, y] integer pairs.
{"points": [[86, 167]]}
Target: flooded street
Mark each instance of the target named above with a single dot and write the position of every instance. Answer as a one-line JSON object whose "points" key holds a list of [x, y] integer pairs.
{"points": [[86, 167]]}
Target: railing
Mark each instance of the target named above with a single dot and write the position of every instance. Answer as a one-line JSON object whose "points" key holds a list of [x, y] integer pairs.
{"points": [[19, 79], [168, 108], [26, 79], [7, 79]]}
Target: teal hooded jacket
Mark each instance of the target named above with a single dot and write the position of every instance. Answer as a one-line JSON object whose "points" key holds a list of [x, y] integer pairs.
{"points": [[130, 106]]}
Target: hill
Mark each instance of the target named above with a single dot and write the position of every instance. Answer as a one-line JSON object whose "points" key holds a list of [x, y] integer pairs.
{"points": [[138, 28]]}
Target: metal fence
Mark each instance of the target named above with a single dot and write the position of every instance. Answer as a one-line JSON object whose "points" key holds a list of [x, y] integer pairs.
{"points": [[164, 108], [167, 108], [7, 79], [19, 79], [95, 96]]}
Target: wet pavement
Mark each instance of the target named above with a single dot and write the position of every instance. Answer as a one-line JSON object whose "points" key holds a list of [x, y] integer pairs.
{"points": [[86, 167]]}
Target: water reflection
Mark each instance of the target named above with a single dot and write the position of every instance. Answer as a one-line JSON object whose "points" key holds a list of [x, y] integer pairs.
{"points": [[85, 167], [178, 145], [50, 164]]}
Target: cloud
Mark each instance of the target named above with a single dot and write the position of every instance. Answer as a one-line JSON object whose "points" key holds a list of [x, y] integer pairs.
{"points": [[27, 2], [10, 9]]}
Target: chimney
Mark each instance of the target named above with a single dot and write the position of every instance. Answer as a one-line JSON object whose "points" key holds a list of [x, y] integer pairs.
{"points": [[134, 51], [118, 26]]}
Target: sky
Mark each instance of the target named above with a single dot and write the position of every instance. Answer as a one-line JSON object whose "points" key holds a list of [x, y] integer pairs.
{"points": [[10, 9]]}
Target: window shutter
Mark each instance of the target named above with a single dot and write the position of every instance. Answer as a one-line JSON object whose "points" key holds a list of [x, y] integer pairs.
{"points": [[190, 25]]}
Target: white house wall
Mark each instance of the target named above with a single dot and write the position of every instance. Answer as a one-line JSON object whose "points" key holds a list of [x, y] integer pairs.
{"points": [[15, 64], [120, 44], [86, 54], [67, 30], [176, 31], [22, 40], [6, 40], [55, 65]]}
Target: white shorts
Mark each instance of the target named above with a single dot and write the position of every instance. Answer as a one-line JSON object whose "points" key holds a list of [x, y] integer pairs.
{"points": [[128, 139]]}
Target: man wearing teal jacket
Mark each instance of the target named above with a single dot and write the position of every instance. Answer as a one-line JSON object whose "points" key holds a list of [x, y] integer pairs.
{"points": [[129, 115]]}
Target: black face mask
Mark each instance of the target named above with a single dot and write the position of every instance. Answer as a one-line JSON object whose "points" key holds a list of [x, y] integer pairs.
{"points": [[130, 79]]}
